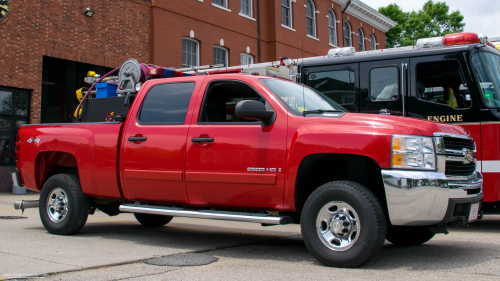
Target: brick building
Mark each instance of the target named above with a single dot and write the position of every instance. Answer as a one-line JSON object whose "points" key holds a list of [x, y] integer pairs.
{"points": [[230, 28], [47, 46]]}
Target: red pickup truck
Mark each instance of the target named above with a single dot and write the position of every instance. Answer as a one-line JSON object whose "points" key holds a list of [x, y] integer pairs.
{"points": [[255, 149]]}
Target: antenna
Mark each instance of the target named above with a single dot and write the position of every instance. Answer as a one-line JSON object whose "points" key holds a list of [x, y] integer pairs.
{"points": [[302, 81]]}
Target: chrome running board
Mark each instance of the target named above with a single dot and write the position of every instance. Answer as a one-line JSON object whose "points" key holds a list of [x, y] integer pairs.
{"points": [[206, 214]]}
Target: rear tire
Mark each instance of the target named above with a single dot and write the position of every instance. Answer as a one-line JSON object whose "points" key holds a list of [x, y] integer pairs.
{"points": [[409, 236], [64, 208], [152, 220], [343, 224]]}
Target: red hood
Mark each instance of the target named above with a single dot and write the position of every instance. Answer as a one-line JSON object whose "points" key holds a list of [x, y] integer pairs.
{"points": [[406, 125]]}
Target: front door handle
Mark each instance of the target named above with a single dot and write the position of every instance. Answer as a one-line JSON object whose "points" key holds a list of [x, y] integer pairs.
{"points": [[202, 139], [137, 139]]}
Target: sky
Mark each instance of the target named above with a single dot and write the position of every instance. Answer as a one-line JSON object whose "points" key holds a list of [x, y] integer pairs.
{"points": [[480, 16]]}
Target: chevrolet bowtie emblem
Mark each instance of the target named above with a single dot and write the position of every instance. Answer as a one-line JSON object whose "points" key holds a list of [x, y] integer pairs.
{"points": [[469, 155]]}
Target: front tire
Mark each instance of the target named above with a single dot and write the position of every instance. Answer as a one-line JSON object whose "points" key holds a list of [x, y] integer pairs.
{"points": [[343, 224], [152, 220], [409, 236], [64, 208]]}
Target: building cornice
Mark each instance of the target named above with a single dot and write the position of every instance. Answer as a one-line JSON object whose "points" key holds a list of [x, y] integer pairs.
{"points": [[367, 14]]}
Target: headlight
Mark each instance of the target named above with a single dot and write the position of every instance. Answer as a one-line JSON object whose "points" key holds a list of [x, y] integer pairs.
{"points": [[414, 152]]}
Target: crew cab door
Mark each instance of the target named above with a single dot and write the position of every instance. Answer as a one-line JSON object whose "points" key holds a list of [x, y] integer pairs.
{"points": [[383, 86], [232, 161], [154, 143], [439, 90], [338, 82]]}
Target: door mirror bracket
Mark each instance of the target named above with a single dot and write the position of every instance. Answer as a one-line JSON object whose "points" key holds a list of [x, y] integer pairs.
{"points": [[255, 110]]}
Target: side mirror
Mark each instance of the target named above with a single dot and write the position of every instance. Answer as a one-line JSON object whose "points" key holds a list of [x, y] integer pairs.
{"points": [[255, 110]]}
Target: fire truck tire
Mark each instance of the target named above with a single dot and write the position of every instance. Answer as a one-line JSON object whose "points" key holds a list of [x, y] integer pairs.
{"points": [[343, 224], [152, 220], [409, 236], [64, 208]]}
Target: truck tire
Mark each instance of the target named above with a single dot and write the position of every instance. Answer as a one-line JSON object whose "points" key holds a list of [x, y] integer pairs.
{"points": [[152, 220], [409, 236], [343, 224], [64, 208]]}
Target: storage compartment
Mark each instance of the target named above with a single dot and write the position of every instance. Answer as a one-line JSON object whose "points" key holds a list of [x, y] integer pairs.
{"points": [[106, 90], [96, 110]]}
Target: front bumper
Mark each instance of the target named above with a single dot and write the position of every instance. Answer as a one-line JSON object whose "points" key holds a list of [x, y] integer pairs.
{"points": [[427, 198]]}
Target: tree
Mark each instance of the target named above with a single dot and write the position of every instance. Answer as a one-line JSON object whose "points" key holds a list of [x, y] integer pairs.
{"points": [[434, 19]]}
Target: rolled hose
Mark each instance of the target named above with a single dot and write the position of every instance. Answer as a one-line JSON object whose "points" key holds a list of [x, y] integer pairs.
{"points": [[144, 74]]}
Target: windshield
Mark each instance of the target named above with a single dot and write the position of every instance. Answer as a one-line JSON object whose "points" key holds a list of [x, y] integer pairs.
{"points": [[487, 66], [294, 94]]}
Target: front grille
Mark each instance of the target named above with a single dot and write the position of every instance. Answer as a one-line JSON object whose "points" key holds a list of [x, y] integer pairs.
{"points": [[455, 168], [458, 144]]}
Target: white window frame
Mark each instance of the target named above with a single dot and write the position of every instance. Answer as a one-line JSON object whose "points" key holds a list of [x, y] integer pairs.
{"points": [[290, 14], [250, 9], [226, 52], [347, 34], [361, 40], [313, 8], [197, 51], [332, 25], [224, 3], [248, 56], [373, 42]]}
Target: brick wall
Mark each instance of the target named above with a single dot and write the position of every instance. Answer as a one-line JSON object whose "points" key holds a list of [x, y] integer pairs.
{"points": [[57, 28], [173, 20]]}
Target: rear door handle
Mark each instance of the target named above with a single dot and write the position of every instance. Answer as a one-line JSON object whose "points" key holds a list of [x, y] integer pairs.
{"points": [[137, 139], [202, 139]]}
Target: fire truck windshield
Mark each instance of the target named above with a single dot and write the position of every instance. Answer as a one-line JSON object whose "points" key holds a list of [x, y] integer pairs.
{"points": [[294, 95], [487, 67]]}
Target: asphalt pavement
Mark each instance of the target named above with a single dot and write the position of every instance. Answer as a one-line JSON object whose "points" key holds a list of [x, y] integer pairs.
{"points": [[119, 248]]}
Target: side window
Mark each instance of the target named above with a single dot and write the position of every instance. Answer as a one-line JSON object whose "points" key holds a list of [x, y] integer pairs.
{"points": [[384, 84], [166, 104], [338, 85], [221, 99], [442, 82]]}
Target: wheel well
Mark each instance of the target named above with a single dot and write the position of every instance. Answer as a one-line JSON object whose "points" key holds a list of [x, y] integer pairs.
{"points": [[318, 169], [49, 163]]}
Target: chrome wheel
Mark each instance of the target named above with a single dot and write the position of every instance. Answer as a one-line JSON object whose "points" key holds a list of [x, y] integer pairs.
{"points": [[57, 205], [338, 225]]}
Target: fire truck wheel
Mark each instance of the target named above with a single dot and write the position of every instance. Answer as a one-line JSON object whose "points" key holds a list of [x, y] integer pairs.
{"points": [[152, 220], [63, 206], [343, 224], [409, 236]]}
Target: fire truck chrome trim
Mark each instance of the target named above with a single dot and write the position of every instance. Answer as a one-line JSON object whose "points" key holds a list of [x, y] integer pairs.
{"points": [[422, 198]]}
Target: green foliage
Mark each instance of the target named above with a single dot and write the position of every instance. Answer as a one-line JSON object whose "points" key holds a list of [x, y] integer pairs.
{"points": [[434, 19]]}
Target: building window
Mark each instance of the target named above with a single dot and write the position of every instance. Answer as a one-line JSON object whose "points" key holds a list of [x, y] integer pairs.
{"points": [[222, 3], [190, 51], [246, 59], [14, 112], [220, 55], [361, 40], [311, 19], [347, 35], [246, 7], [373, 42], [286, 13], [332, 28]]}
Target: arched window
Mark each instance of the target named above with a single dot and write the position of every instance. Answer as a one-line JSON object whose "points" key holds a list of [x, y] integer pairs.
{"points": [[286, 13], [311, 19], [361, 40], [373, 42], [220, 55], [332, 27], [347, 35], [190, 52]]}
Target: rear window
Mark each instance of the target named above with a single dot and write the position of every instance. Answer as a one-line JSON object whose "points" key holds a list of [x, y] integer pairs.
{"points": [[166, 103]]}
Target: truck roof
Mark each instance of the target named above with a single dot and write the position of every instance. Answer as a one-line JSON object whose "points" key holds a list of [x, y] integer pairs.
{"points": [[385, 55]]}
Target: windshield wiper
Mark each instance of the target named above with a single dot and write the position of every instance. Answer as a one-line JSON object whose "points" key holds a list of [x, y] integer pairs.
{"points": [[319, 111]]}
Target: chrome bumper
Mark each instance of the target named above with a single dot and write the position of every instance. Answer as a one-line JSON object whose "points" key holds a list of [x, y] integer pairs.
{"points": [[16, 178], [422, 198]]}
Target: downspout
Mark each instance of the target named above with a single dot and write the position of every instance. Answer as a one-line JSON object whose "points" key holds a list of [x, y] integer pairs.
{"points": [[258, 28], [343, 25]]}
